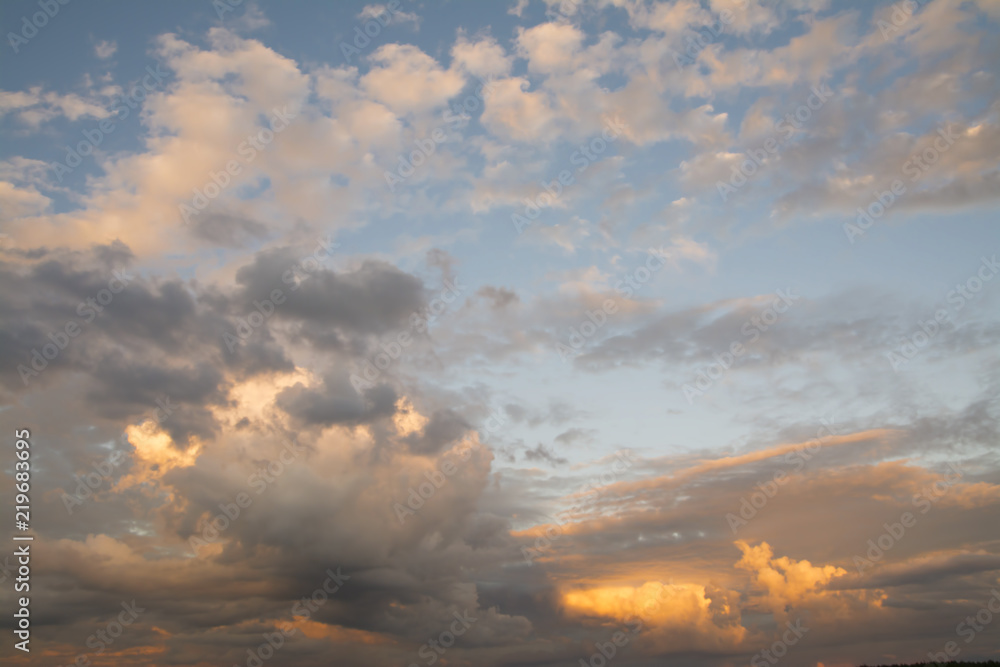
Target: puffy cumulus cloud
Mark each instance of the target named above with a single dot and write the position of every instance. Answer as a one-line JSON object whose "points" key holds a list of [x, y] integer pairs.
{"points": [[21, 202], [792, 589], [683, 617], [669, 18], [409, 81], [550, 48], [155, 454], [248, 87], [802, 179], [483, 57], [26, 171], [746, 16], [786, 582], [240, 81], [359, 126], [330, 164], [678, 617], [126, 347], [319, 498], [649, 119], [520, 110], [805, 58], [361, 474], [515, 113], [237, 66], [369, 298]]}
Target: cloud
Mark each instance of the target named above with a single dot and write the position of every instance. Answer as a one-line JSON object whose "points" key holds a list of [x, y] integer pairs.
{"points": [[105, 49], [542, 453], [407, 80], [21, 202], [37, 107], [429, 484], [483, 58], [517, 114], [377, 11], [681, 616], [517, 9]]}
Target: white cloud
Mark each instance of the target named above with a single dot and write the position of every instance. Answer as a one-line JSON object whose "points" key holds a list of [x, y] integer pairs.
{"points": [[550, 47], [385, 16], [482, 58], [105, 49], [36, 107], [18, 202], [517, 9], [407, 80]]}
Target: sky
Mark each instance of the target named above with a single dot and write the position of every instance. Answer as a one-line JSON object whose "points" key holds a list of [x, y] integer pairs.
{"points": [[522, 333]]}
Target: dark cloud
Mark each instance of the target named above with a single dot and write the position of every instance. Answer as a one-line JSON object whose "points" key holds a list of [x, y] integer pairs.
{"points": [[228, 231], [499, 297], [543, 453], [444, 428], [337, 402], [374, 298], [569, 436]]}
